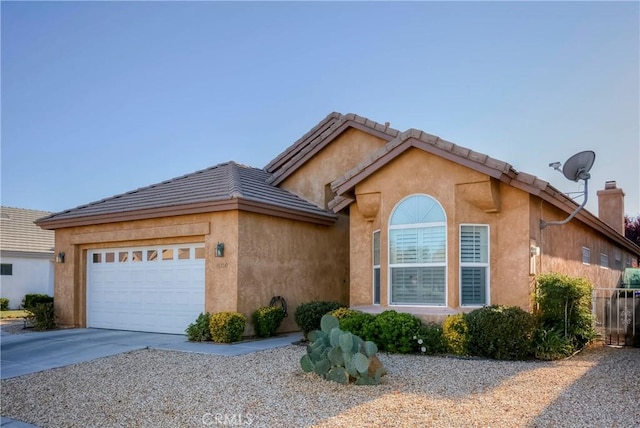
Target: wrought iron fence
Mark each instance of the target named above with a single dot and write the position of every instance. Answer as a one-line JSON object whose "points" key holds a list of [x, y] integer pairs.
{"points": [[617, 315]]}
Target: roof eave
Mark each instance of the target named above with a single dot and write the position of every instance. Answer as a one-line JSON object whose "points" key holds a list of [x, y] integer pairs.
{"points": [[195, 208]]}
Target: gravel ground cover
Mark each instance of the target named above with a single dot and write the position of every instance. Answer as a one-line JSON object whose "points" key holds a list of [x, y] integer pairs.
{"points": [[599, 387]]}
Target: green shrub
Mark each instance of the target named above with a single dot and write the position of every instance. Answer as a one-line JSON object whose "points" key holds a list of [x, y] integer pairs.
{"points": [[227, 327], [308, 315], [356, 322], [430, 340], [267, 320], [200, 330], [564, 305], [4, 304], [43, 316], [31, 300], [550, 345], [393, 331], [343, 312], [341, 356], [456, 334], [500, 332]]}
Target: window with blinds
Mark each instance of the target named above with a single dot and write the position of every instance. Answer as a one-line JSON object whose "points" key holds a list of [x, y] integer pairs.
{"points": [[474, 265], [418, 252]]}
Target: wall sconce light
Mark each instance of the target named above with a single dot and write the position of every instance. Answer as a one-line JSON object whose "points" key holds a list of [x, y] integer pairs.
{"points": [[534, 251], [60, 257], [220, 249]]}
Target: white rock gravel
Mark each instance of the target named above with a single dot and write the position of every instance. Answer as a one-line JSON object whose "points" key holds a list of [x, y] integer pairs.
{"points": [[599, 387]]}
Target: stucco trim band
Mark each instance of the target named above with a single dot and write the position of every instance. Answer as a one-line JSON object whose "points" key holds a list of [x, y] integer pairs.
{"points": [[194, 229]]}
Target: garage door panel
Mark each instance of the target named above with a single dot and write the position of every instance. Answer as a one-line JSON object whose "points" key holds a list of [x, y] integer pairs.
{"points": [[131, 292]]}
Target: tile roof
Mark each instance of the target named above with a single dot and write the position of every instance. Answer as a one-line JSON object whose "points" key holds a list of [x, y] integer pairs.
{"points": [[19, 233], [344, 186], [202, 191], [287, 162]]}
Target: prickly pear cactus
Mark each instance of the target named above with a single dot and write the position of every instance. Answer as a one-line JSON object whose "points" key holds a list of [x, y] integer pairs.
{"points": [[340, 356]]}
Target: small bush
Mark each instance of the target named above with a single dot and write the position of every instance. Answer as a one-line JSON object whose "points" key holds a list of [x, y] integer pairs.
{"points": [[308, 315], [393, 331], [343, 312], [200, 330], [430, 340], [551, 345], [267, 320], [4, 304], [564, 305], [31, 300], [43, 316], [500, 332], [356, 323], [456, 334], [227, 327]]}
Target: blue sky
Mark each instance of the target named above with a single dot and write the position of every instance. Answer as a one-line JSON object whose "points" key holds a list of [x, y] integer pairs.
{"points": [[99, 98]]}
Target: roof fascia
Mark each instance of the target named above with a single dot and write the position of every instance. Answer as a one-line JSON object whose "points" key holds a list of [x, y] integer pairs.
{"points": [[196, 208]]}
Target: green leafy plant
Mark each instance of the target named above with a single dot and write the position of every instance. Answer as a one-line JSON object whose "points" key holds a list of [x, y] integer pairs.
{"points": [[563, 304], [500, 332], [227, 327], [355, 323], [43, 316], [341, 356], [343, 312], [393, 331], [308, 315], [551, 345], [200, 330], [430, 340], [31, 300], [4, 304], [266, 320], [456, 334]]}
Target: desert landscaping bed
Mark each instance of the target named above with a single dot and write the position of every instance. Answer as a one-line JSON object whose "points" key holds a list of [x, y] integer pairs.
{"points": [[598, 387]]}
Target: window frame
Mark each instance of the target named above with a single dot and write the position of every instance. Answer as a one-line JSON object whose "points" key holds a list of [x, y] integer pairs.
{"points": [[444, 264], [6, 269], [604, 260], [486, 265], [375, 266], [586, 251]]}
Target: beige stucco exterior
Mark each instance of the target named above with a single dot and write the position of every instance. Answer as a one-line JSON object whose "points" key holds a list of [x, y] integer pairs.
{"points": [[269, 252], [264, 257]]}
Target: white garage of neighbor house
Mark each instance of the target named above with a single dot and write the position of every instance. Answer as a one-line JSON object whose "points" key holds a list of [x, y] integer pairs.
{"points": [[26, 255], [156, 288]]}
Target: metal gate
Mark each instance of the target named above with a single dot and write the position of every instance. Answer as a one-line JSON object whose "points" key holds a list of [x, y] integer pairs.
{"points": [[617, 315]]}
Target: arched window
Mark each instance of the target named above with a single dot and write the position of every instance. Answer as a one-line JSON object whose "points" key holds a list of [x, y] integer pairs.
{"points": [[418, 252]]}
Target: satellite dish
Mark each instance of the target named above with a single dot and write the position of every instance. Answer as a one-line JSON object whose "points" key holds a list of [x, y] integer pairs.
{"points": [[577, 167]]}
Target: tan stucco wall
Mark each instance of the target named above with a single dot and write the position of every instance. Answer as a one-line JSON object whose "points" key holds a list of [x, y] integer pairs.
{"points": [[416, 172], [561, 247], [70, 277], [345, 152], [298, 261], [263, 257]]}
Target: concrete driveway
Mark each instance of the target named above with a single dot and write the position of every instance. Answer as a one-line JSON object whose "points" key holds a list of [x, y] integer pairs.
{"points": [[26, 353]]}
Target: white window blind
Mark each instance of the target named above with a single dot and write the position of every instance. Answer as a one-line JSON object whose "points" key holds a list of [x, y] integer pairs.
{"points": [[474, 264]]}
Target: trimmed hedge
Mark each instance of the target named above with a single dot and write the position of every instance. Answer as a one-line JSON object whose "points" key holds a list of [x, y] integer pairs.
{"points": [[227, 327], [4, 304], [30, 300], [456, 333], [308, 315], [393, 332], [266, 320], [500, 332]]}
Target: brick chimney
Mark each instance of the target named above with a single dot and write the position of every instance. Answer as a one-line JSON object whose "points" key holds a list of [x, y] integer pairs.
{"points": [[611, 206]]}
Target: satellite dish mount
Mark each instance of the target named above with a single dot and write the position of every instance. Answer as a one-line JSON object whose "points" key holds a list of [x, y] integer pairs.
{"points": [[576, 168]]}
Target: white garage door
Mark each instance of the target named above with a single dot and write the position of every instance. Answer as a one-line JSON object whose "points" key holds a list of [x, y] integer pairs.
{"points": [[156, 289]]}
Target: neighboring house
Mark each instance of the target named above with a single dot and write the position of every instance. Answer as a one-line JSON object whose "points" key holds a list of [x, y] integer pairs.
{"points": [[353, 211], [26, 255]]}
